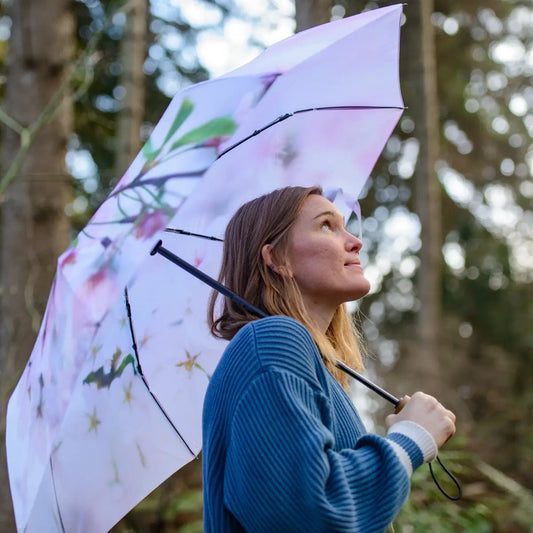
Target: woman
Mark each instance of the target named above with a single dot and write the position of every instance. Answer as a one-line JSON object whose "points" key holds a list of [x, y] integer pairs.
{"points": [[284, 447]]}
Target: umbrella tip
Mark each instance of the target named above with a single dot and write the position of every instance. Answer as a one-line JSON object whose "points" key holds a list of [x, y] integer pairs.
{"points": [[156, 247]]}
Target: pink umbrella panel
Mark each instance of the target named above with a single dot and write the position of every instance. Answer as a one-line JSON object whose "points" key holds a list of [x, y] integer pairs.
{"points": [[85, 439]]}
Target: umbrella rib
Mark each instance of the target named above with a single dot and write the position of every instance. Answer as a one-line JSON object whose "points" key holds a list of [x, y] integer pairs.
{"points": [[190, 234], [55, 496], [281, 118], [139, 369]]}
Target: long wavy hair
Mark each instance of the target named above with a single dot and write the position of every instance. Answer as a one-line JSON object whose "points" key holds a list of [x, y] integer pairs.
{"points": [[268, 220]]}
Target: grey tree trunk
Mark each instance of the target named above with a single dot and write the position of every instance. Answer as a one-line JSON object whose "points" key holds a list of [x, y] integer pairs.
{"points": [[311, 13], [133, 52], [421, 361], [34, 227]]}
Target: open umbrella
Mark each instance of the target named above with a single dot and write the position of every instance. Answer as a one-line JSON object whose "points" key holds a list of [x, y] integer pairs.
{"points": [[94, 423]]}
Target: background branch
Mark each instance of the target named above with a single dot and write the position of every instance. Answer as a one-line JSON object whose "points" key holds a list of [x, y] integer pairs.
{"points": [[85, 64]]}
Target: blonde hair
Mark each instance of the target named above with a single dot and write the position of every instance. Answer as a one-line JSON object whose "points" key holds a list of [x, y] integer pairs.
{"points": [[268, 220]]}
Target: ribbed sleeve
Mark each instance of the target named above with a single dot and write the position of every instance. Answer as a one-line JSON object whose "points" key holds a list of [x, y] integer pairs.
{"points": [[284, 448]]}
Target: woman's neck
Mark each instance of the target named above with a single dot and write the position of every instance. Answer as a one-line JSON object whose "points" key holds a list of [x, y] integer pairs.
{"points": [[319, 313]]}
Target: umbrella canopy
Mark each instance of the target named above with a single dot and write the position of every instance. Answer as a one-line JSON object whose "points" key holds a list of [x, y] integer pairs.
{"points": [[91, 429]]}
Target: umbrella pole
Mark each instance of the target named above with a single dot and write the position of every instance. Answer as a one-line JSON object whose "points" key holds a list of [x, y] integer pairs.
{"points": [[214, 284], [398, 403], [161, 250]]}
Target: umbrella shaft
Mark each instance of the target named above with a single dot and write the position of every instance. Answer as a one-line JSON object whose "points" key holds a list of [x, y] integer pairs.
{"points": [[372, 386], [161, 250]]}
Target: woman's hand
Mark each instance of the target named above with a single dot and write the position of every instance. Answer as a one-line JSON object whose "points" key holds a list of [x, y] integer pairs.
{"points": [[427, 412]]}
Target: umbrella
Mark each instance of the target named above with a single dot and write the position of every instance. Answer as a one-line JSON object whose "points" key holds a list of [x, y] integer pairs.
{"points": [[110, 402]]}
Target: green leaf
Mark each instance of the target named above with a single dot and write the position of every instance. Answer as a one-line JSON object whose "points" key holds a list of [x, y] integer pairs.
{"points": [[183, 114], [148, 151], [218, 127]]}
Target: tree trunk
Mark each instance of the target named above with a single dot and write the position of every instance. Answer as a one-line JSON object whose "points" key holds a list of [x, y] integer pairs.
{"points": [[35, 229], [133, 52], [421, 361], [311, 13]]}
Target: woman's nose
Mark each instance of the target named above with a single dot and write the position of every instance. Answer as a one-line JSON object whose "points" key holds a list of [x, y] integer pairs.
{"points": [[353, 243]]}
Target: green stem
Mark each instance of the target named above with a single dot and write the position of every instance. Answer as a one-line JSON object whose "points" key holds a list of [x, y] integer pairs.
{"points": [[10, 122], [28, 135], [153, 195]]}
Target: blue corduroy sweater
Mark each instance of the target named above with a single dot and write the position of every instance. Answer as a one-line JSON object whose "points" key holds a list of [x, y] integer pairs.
{"points": [[284, 449]]}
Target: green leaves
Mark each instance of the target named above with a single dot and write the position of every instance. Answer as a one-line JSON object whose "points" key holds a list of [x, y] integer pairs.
{"points": [[218, 127], [184, 112], [214, 129], [103, 379], [148, 151]]}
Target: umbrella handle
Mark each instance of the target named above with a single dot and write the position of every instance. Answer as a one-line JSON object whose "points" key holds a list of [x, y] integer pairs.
{"points": [[400, 405]]}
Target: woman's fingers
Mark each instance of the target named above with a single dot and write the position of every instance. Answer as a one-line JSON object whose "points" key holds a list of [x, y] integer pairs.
{"points": [[429, 413]]}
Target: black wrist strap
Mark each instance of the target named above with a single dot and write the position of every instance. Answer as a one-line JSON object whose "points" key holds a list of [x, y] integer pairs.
{"points": [[451, 476]]}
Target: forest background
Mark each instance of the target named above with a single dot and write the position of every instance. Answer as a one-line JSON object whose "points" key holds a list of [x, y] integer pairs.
{"points": [[448, 219]]}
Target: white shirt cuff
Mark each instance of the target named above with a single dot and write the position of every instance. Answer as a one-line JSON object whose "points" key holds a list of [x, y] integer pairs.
{"points": [[421, 436]]}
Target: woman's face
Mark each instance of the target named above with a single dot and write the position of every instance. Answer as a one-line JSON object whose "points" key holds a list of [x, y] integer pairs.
{"points": [[324, 257]]}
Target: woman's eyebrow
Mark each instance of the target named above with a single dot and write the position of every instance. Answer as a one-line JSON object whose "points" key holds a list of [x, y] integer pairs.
{"points": [[334, 214]]}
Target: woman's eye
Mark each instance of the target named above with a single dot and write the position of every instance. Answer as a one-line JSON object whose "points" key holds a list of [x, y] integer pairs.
{"points": [[325, 225]]}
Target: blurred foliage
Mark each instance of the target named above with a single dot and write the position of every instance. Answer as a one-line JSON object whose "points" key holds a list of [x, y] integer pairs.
{"points": [[491, 502], [181, 514], [484, 71], [175, 507]]}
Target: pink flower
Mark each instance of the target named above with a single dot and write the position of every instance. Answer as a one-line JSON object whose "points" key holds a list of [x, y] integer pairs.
{"points": [[99, 292], [68, 258], [97, 278], [214, 142], [269, 79], [150, 223]]}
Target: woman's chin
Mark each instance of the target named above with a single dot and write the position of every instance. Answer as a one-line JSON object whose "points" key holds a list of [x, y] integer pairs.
{"points": [[360, 290]]}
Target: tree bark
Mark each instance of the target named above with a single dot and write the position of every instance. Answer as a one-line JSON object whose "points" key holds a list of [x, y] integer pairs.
{"points": [[130, 118], [35, 228], [311, 13], [420, 88]]}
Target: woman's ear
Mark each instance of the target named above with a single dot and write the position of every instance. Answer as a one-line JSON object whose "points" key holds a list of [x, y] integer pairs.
{"points": [[266, 253], [270, 262]]}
